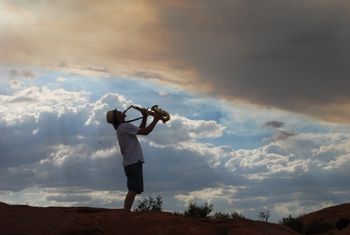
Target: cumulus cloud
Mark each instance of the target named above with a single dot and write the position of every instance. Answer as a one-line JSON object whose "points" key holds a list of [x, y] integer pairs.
{"points": [[69, 144], [66, 196], [210, 195], [279, 176], [271, 175], [182, 129], [29, 102], [298, 154], [56, 143], [38, 122]]}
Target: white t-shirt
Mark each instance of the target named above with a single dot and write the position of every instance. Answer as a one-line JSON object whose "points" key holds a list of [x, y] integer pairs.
{"points": [[129, 144]]}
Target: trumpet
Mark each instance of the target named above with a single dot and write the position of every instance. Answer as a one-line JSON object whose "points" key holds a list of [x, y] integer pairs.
{"points": [[155, 111]]}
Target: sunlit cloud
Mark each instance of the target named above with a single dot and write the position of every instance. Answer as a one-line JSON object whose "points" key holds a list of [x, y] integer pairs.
{"points": [[223, 50], [209, 195]]}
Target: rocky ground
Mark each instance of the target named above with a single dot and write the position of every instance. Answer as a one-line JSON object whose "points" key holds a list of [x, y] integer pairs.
{"points": [[331, 215], [26, 220]]}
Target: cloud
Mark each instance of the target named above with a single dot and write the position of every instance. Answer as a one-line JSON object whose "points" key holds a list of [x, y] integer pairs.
{"points": [[24, 103], [210, 195], [274, 124], [182, 129], [281, 135], [68, 196], [277, 61], [69, 144], [57, 149], [267, 53], [21, 73], [298, 155], [84, 34]]}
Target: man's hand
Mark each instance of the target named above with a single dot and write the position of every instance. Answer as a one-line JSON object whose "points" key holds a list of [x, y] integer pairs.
{"points": [[157, 116], [144, 112], [146, 130]]}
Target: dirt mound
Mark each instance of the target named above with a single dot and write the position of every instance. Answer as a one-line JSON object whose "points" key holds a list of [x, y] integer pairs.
{"points": [[18, 219]]}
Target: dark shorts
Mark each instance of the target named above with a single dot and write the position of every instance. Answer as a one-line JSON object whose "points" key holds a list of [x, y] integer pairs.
{"points": [[135, 178]]}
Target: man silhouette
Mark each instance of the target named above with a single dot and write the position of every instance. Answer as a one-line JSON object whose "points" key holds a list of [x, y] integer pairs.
{"points": [[131, 151]]}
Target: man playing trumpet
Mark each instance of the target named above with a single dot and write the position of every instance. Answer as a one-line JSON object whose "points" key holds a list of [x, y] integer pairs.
{"points": [[130, 149]]}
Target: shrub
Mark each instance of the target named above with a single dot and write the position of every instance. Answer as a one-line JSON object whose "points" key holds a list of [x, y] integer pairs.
{"points": [[196, 211], [342, 223], [150, 204], [236, 215], [219, 216], [294, 223], [318, 226]]}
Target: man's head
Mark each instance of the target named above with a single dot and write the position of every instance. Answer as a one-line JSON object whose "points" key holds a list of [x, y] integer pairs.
{"points": [[120, 116], [115, 117]]}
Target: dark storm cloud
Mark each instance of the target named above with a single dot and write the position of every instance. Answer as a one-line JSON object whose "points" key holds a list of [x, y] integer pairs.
{"points": [[274, 124], [287, 54], [292, 55]]}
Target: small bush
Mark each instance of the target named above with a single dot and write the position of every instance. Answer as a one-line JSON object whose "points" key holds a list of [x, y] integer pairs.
{"points": [[196, 211], [294, 223], [342, 223], [318, 226], [150, 204], [177, 213], [219, 216], [236, 215]]}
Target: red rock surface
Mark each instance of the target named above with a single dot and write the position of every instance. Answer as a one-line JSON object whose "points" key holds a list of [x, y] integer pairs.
{"points": [[332, 215], [26, 220]]}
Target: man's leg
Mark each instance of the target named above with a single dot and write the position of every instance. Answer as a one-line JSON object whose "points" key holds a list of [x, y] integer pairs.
{"points": [[129, 200]]}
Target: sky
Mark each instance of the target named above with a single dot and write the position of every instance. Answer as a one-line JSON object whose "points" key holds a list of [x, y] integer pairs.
{"points": [[257, 92]]}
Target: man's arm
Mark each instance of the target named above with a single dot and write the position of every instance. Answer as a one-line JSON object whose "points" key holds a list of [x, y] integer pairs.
{"points": [[144, 121], [149, 128]]}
